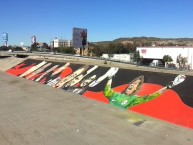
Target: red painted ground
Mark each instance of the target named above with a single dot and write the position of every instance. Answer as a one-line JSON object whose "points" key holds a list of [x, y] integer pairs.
{"points": [[168, 106]]}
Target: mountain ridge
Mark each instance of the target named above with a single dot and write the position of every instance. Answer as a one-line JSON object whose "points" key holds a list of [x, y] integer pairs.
{"points": [[184, 41]]}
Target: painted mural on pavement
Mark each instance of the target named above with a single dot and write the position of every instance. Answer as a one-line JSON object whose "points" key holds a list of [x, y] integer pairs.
{"points": [[164, 96]]}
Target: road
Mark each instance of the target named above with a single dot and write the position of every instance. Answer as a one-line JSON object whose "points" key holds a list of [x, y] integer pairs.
{"points": [[36, 114]]}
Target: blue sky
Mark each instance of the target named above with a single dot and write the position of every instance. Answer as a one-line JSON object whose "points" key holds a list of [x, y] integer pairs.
{"points": [[105, 19]]}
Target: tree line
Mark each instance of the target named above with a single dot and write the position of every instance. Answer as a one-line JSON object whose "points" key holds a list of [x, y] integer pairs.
{"points": [[12, 48]]}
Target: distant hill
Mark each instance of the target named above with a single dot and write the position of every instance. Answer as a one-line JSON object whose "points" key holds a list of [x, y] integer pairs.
{"points": [[152, 41]]}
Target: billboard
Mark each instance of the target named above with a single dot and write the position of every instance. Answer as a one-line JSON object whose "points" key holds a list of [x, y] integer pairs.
{"points": [[5, 36], [79, 37], [33, 39]]}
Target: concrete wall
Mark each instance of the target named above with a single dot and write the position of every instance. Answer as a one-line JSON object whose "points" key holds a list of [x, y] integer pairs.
{"points": [[8, 62], [174, 105]]}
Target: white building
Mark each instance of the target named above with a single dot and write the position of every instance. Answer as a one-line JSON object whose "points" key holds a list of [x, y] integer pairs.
{"points": [[61, 43], [158, 53]]}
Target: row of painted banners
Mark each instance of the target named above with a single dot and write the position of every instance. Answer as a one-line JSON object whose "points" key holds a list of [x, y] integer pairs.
{"points": [[164, 96]]}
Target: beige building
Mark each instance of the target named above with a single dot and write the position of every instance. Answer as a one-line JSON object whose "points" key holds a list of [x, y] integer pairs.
{"points": [[60, 43]]}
